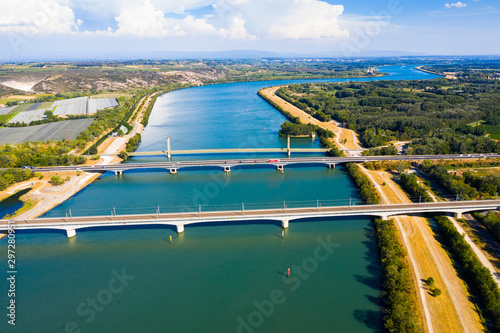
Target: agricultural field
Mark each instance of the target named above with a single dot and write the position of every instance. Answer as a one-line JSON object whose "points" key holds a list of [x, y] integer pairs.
{"points": [[96, 104], [28, 116], [73, 106], [7, 113], [52, 131], [492, 130]]}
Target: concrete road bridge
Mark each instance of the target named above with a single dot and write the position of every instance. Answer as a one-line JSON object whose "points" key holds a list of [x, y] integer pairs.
{"points": [[284, 215], [229, 164]]}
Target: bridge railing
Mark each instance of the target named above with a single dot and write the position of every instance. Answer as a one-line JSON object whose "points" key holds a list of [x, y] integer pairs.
{"points": [[207, 207]]}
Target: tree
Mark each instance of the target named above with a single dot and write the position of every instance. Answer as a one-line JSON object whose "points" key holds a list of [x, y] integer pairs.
{"points": [[400, 168], [56, 180]]}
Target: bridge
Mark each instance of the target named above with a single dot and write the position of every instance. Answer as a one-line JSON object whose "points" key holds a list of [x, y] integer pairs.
{"points": [[228, 165], [288, 150], [284, 215]]}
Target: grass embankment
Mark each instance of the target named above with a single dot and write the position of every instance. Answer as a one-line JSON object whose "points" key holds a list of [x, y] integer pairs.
{"points": [[490, 222], [367, 191], [477, 277], [288, 115], [147, 113], [26, 206], [296, 128], [400, 300]]}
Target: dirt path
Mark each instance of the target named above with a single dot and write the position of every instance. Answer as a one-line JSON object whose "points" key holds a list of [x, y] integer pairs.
{"points": [[452, 311], [488, 261], [345, 138]]}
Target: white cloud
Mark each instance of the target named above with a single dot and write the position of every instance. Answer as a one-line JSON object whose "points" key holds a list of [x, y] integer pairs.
{"points": [[456, 5], [228, 19], [34, 17]]}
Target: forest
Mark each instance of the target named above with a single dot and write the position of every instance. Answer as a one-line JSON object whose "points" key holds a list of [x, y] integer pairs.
{"points": [[433, 115]]}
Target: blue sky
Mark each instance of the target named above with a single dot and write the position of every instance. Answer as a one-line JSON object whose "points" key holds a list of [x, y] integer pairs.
{"points": [[130, 28]]}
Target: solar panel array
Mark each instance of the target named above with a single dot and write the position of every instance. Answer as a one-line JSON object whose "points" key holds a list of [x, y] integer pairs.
{"points": [[96, 104]]}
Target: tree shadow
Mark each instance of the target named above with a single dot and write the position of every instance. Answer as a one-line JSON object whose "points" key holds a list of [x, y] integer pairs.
{"points": [[372, 319]]}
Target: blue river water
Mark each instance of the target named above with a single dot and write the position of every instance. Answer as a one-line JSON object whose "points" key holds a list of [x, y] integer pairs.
{"points": [[212, 278]]}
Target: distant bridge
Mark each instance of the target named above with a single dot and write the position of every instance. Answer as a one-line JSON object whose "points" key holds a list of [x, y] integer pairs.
{"points": [[228, 165], [284, 215], [288, 150]]}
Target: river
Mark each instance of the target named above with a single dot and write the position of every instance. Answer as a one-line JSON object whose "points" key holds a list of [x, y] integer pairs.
{"points": [[213, 278]]}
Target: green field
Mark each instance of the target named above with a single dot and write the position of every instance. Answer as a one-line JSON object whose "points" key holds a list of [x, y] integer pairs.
{"points": [[22, 107], [6, 117], [492, 130], [45, 105]]}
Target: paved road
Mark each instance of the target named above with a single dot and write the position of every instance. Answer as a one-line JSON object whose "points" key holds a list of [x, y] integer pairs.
{"points": [[264, 214], [256, 161]]}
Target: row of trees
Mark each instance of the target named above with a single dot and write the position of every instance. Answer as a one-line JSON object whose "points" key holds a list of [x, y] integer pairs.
{"points": [[451, 183], [12, 176], [409, 183], [39, 154], [400, 300], [133, 143], [489, 184], [288, 115], [477, 277], [491, 222], [389, 150], [366, 189]]}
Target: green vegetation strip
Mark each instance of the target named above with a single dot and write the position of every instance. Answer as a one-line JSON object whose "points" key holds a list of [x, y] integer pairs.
{"points": [[451, 183], [288, 115], [400, 299], [12, 176], [491, 223], [409, 183], [366, 189], [477, 277], [6, 117]]}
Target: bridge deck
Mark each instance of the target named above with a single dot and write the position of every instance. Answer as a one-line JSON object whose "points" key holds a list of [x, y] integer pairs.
{"points": [[230, 150], [264, 214]]}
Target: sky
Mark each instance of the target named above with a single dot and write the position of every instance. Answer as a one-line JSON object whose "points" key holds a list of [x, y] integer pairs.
{"points": [[152, 28]]}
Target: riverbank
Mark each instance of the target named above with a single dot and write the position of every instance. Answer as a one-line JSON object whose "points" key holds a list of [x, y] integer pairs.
{"points": [[345, 139], [44, 196]]}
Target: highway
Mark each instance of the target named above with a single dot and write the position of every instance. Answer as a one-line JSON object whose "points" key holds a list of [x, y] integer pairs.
{"points": [[232, 163]]}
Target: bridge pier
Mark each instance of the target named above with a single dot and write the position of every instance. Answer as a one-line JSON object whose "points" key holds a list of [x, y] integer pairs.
{"points": [[70, 233], [169, 155], [279, 167], [331, 165], [118, 172], [384, 217], [227, 169], [288, 150], [173, 171], [180, 228], [284, 224], [457, 215]]}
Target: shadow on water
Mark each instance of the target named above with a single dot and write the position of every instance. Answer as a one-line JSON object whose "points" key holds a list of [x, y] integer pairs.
{"points": [[373, 276], [370, 318], [372, 279]]}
